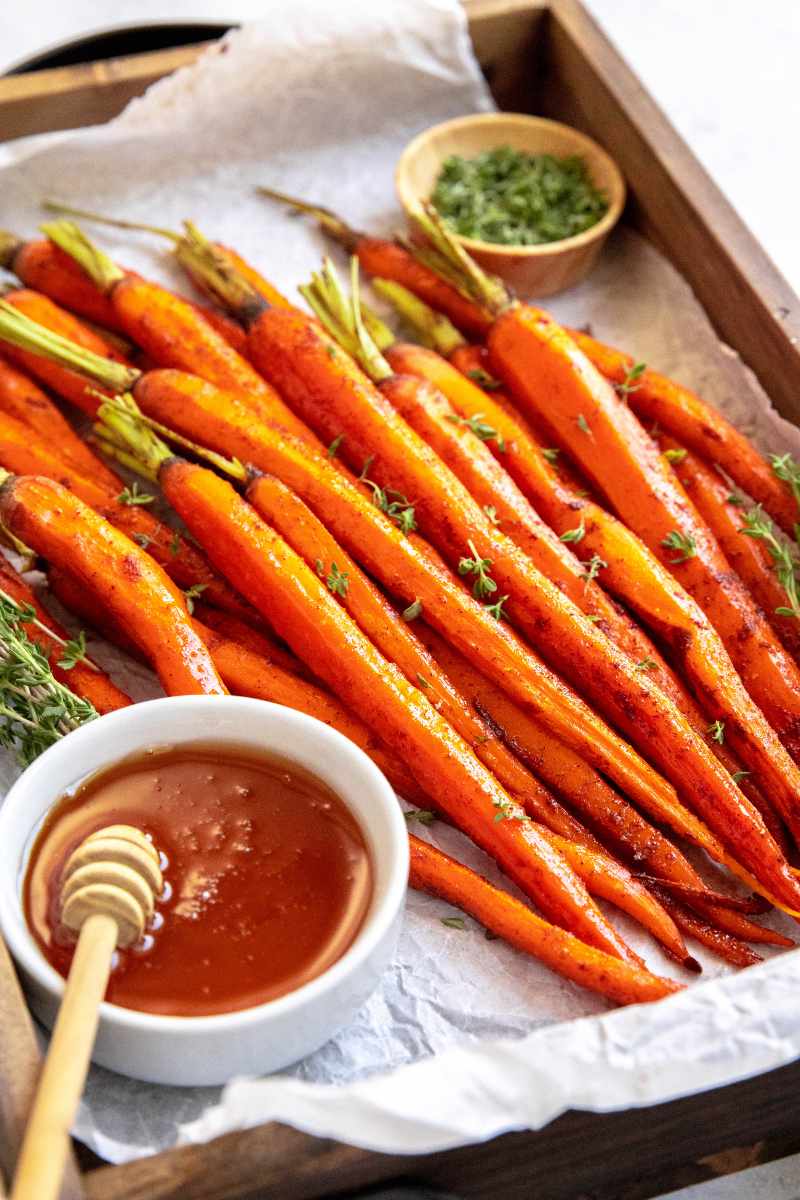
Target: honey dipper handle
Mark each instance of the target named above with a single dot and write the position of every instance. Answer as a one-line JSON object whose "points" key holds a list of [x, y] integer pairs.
{"points": [[46, 1144]]}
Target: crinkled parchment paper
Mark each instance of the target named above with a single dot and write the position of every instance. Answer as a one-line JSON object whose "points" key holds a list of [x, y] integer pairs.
{"points": [[319, 102]]}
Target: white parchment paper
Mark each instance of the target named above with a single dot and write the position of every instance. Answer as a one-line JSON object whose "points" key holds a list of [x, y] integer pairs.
{"points": [[320, 102]]}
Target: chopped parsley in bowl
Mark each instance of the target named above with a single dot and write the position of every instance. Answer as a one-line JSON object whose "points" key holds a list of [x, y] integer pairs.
{"points": [[511, 198]]}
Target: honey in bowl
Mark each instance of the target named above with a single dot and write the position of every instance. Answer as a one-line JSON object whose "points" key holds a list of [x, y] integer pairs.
{"points": [[268, 877]]}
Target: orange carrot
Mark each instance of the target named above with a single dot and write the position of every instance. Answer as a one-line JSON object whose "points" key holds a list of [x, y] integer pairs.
{"points": [[724, 944], [538, 358], [84, 679], [729, 516], [24, 400], [41, 265], [698, 426], [141, 597], [441, 876], [305, 614]]}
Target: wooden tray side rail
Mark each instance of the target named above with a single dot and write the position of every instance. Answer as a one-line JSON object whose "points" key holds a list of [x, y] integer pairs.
{"points": [[550, 58]]}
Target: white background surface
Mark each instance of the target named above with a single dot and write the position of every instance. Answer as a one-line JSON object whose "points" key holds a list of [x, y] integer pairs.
{"points": [[724, 70]]}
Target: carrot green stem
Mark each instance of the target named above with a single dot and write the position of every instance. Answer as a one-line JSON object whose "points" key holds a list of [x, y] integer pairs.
{"points": [[68, 210], [448, 258], [434, 328], [102, 270], [19, 330], [332, 225], [378, 330], [342, 317], [9, 245], [213, 271]]}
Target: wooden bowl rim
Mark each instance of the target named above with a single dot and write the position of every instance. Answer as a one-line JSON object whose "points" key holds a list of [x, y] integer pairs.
{"points": [[617, 189]]}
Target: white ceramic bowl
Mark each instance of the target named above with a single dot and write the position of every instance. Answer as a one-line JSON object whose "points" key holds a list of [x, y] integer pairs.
{"points": [[253, 1041]]}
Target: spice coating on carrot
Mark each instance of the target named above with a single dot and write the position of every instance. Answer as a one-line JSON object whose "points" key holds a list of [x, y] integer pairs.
{"points": [[140, 595], [46, 268], [309, 619]]}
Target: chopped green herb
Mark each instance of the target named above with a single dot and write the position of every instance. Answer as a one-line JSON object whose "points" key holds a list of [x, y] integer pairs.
{"points": [[737, 776], [192, 594], [551, 454], [482, 431], [74, 651], [683, 543], [413, 611], [716, 731], [319, 567], [675, 456], [337, 581], [592, 569], [454, 922], [484, 379], [479, 567], [736, 499], [574, 535], [647, 664], [631, 382], [131, 495], [175, 544], [593, 618], [142, 540], [400, 510], [516, 199], [496, 610], [334, 446], [583, 424], [788, 471], [491, 513], [759, 526], [422, 681], [506, 809], [425, 816]]}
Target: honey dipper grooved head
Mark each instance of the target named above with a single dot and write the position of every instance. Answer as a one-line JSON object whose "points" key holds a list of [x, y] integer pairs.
{"points": [[114, 871]]}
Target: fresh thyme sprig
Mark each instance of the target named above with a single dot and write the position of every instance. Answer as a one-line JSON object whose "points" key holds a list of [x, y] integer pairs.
{"points": [[482, 431], [592, 569], [632, 381], [716, 731], [683, 543], [787, 470], [400, 509], [759, 526], [574, 535], [35, 709], [193, 593], [484, 585], [132, 496]]}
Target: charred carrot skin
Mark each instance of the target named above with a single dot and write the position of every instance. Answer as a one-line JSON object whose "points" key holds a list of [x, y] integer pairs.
{"points": [[24, 400], [280, 341], [305, 614], [712, 497], [536, 357], [92, 685], [140, 595], [22, 454], [698, 426], [443, 877]]}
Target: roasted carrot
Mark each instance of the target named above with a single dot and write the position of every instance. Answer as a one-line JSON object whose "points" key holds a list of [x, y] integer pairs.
{"points": [[390, 260], [24, 400], [745, 534], [41, 265], [441, 876], [170, 330], [23, 454], [631, 573], [305, 614], [698, 426], [732, 949], [60, 527], [537, 358], [258, 640], [85, 679]]}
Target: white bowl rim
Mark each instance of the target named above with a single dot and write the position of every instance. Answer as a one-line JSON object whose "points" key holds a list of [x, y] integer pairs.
{"points": [[26, 952], [476, 245]]}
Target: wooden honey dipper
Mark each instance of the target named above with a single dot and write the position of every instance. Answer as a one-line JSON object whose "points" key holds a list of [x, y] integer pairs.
{"points": [[108, 893]]}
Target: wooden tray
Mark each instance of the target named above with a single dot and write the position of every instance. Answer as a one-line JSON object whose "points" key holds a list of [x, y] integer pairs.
{"points": [[548, 58]]}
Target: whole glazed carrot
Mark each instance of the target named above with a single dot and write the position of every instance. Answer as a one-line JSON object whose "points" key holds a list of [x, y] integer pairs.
{"points": [[84, 678], [305, 614], [60, 527], [41, 265], [22, 453], [699, 427], [434, 872], [747, 538], [169, 329], [24, 400], [631, 572]]}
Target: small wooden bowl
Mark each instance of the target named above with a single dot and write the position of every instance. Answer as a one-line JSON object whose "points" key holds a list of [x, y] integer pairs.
{"points": [[530, 270]]}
